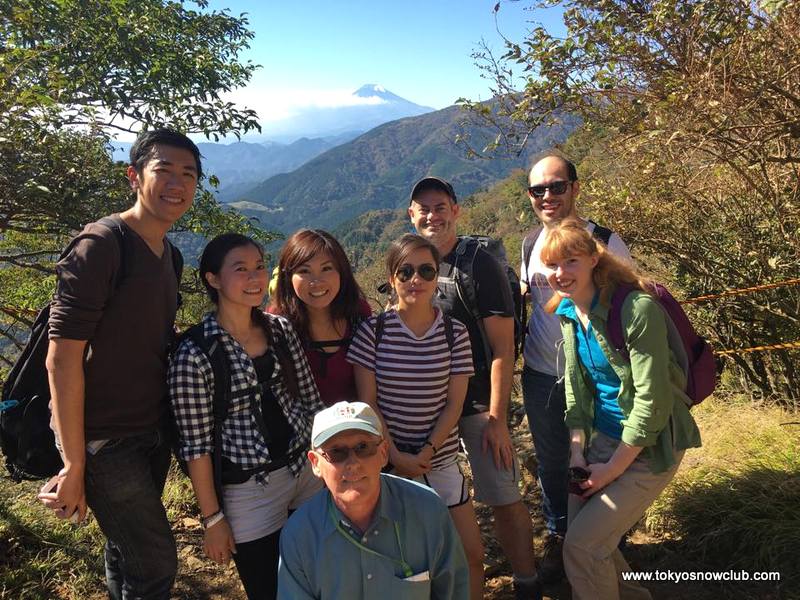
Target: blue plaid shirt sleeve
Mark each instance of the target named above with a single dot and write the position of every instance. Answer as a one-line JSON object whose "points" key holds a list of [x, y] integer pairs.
{"points": [[191, 393]]}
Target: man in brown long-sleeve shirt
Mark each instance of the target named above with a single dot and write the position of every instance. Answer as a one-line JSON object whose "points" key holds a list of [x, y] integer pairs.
{"points": [[110, 327]]}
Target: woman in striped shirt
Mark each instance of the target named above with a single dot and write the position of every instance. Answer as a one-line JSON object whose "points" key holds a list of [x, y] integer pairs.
{"points": [[412, 364]]}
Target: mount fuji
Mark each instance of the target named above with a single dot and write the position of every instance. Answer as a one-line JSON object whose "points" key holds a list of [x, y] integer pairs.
{"points": [[369, 106]]}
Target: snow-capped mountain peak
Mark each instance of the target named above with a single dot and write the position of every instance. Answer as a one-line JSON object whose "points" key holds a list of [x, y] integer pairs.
{"points": [[372, 90]]}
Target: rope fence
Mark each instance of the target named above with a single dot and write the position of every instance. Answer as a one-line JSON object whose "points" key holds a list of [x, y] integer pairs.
{"points": [[742, 291], [20, 312]]}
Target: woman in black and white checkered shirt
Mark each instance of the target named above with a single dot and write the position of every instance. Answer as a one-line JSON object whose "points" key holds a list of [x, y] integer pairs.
{"points": [[265, 434]]}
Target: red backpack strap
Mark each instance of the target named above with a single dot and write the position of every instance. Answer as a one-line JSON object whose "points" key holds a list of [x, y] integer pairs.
{"points": [[614, 324]]}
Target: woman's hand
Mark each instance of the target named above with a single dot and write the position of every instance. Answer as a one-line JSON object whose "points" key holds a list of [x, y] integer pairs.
{"points": [[411, 465], [576, 459], [601, 474], [218, 542]]}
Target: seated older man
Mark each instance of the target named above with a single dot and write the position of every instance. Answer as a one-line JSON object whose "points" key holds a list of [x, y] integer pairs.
{"points": [[368, 535]]}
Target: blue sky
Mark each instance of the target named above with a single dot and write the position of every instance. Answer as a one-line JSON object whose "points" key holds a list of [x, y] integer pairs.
{"points": [[319, 52]]}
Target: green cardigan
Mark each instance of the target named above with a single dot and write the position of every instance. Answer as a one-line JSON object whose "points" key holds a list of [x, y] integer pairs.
{"points": [[652, 384]]}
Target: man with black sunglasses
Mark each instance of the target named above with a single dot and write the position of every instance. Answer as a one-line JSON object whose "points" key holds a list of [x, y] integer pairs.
{"points": [[367, 535], [553, 189], [434, 210]]}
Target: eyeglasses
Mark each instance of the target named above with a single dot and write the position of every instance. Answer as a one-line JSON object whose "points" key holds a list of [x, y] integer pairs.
{"points": [[556, 188], [427, 271], [340, 454]]}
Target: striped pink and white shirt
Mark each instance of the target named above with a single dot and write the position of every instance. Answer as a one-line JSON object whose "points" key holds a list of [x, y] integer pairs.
{"points": [[412, 374]]}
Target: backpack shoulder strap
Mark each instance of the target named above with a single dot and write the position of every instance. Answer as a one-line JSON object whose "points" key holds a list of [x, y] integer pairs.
{"points": [[380, 326], [527, 249], [280, 346], [215, 353], [114, 223], [615, 332], [449, 334], [600, 233], [465, 252], [177, 265]]}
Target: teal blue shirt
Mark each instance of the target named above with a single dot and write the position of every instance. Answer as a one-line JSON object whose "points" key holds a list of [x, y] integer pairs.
{"points": [[411, 524], [608, 416]]}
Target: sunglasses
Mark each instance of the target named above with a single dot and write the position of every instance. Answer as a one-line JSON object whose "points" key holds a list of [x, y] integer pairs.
{"points": [[556, 188], [340, 454], [427, 271]]}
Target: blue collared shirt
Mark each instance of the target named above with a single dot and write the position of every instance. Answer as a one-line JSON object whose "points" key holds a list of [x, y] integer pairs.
{"points": [[607, 414], [319, 562]]}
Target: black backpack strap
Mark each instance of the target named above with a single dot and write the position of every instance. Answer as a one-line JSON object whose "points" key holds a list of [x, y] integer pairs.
{"points": [[114, 223], [527, 249], [177, 265], [380, 326], [215, 353], [600, 233], [466, 250], [279, 345], [449, 334]]}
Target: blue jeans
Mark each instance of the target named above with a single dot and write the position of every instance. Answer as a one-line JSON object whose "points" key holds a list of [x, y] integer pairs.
{"points": [[545, 406], [124, 482]]}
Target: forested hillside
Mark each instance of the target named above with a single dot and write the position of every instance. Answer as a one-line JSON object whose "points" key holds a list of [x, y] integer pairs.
{"points": [[377, 169], [689, 148]]}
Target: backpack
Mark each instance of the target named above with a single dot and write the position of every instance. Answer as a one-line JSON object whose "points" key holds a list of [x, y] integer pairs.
{"points": [[692, 351], [462, 278], [600, 233], [214, 351], [26, 439]]}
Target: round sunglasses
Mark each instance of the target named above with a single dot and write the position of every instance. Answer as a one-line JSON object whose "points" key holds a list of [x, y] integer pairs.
{"points": [[426, 270]]}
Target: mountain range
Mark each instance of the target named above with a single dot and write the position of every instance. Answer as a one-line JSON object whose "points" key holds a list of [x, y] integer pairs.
{"points": [[377, 169], [241, 165]]}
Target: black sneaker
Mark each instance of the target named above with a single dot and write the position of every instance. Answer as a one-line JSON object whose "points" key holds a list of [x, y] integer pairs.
{"points": [[551, 567], [528, 591]]}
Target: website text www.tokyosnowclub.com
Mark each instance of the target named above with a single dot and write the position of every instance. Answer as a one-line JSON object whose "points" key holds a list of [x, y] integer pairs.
{"points": [[679, 576]]}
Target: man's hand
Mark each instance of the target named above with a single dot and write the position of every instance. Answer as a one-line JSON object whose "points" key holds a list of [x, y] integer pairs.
{"points": [[497, 438], [69, 499], [218, 542]]}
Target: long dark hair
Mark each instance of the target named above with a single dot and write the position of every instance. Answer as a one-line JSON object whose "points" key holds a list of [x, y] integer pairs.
{"points": [[301, 247], [214, 255]]}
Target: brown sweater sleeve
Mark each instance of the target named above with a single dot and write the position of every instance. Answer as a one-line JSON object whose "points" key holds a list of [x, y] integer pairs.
{"points": [[85, 283]]}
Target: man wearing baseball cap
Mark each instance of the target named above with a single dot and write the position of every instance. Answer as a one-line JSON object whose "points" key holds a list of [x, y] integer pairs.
{"points": [[367, 535], [488, 314]]}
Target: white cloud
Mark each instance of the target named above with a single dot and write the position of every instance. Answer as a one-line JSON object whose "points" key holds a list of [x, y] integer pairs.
{"points": [[276, 104]]}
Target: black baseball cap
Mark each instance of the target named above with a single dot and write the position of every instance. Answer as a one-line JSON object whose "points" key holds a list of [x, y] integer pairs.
{"points": [[432, 183]]}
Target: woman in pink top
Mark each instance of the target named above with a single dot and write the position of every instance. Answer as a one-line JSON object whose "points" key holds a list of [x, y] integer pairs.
{"points": [[317, 292]]}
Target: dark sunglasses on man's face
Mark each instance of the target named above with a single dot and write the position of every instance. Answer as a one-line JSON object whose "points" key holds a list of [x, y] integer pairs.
{"points": [[427, 271], [339, 454], [556, 188]]}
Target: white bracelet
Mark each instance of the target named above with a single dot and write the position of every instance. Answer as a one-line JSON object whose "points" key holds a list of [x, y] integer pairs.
{"points": [[213, 519]]}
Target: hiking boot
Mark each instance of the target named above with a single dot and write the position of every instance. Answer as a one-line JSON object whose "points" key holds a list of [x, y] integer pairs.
{"points": [[530, 590], [551, 567]]}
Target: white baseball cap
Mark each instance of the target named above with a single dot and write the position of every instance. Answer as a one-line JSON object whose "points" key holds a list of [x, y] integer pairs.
{"points": [[344, 416]]}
